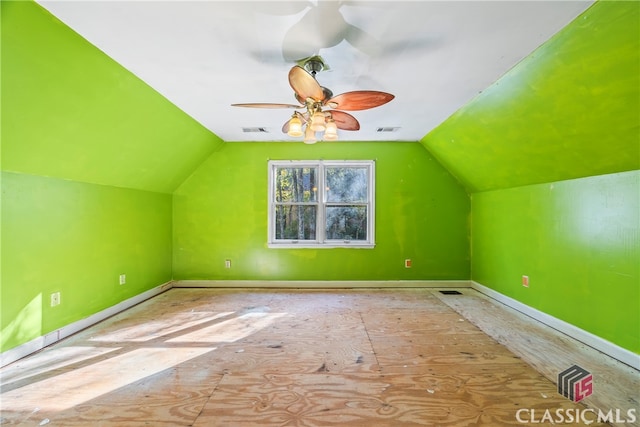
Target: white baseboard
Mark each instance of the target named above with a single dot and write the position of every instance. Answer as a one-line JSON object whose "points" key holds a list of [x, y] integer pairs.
{"points": [[600, 344], [52, 337], [594, 341], [322, 284]]}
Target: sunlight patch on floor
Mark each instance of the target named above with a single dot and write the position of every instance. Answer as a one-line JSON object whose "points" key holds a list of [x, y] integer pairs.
{"points": [[75, 387], [231, 330], [157, 328]]}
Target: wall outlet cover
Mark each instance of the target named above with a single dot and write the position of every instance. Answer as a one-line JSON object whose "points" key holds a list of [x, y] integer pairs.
{"points": [[55, 299]]}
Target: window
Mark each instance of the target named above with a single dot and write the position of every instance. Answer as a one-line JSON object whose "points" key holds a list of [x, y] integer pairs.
{"points": [[321, 204]]}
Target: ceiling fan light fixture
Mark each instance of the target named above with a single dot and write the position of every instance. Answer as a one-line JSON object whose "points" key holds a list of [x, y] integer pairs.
{"points": [[295, 127], [318, 121], [309, 136], [313, 98]]}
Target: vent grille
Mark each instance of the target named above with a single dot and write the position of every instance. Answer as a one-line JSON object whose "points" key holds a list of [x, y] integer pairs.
{"points": [[255, 130], [450, 293], [388, 129]]}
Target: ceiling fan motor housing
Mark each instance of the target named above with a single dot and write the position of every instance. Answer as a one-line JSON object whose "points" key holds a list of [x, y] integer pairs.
{"points": [[313, 66]]}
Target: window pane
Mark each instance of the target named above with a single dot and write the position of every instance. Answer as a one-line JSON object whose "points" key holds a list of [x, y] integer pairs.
{"points": [[346, 184], [295, 222], [346, 223], [296, 184]]}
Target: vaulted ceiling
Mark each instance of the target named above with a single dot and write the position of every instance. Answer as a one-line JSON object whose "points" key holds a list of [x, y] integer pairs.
{"points": [[137, 94], [569, 110]]}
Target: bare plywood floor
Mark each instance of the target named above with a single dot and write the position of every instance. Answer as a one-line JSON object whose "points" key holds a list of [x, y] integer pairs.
{"points": [[213, 357]]}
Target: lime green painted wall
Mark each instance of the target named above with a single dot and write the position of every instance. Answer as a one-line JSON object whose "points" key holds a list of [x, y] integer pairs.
{"points": [[579, 243], [571, 109], [220, 213], [69, 111], [76, 239], [90, 157]]}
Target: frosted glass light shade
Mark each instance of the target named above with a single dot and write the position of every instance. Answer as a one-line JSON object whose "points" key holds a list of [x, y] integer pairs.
{"points": [[317, 121], [331, 131], [309, 136], [295, 127]]}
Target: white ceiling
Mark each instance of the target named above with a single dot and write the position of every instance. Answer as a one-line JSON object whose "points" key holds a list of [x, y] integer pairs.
{"points": [[434, 56]]}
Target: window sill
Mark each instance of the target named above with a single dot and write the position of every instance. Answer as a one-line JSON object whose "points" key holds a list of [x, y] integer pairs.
{"points": [[289, 245]]}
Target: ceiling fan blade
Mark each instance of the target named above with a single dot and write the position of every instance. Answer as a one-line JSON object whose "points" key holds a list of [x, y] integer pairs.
{"points": [[360, 100], [304, 85], [267, 105], [345, 121]]}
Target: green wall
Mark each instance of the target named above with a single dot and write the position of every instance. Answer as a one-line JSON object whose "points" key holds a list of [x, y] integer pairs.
{"points": [[220, 213], [76, 239], [90, 157], [569, 110], [550, 154], [579, 243]]}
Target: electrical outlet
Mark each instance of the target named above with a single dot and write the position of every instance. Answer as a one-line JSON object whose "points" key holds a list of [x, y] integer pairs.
{"points": [[227, 263], [407, 263], [525, 281], [123, 279], [55, 299]]}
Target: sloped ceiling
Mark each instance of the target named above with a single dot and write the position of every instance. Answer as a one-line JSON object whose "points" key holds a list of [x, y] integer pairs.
{"points": [[434, 56], [71, 112], [569, 110]]}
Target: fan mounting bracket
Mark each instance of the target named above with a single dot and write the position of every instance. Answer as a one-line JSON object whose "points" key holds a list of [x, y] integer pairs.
{"points": [[314, 65]]}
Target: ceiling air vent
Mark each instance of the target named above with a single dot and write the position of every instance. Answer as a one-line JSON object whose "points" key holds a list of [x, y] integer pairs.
{"points": [[388, 129], [255, 130]]}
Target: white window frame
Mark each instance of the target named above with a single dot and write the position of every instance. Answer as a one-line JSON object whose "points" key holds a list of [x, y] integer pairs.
{"points": [[321, 241]]}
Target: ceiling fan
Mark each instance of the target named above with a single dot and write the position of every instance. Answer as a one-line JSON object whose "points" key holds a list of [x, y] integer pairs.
{"points": [[323, 112]]}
